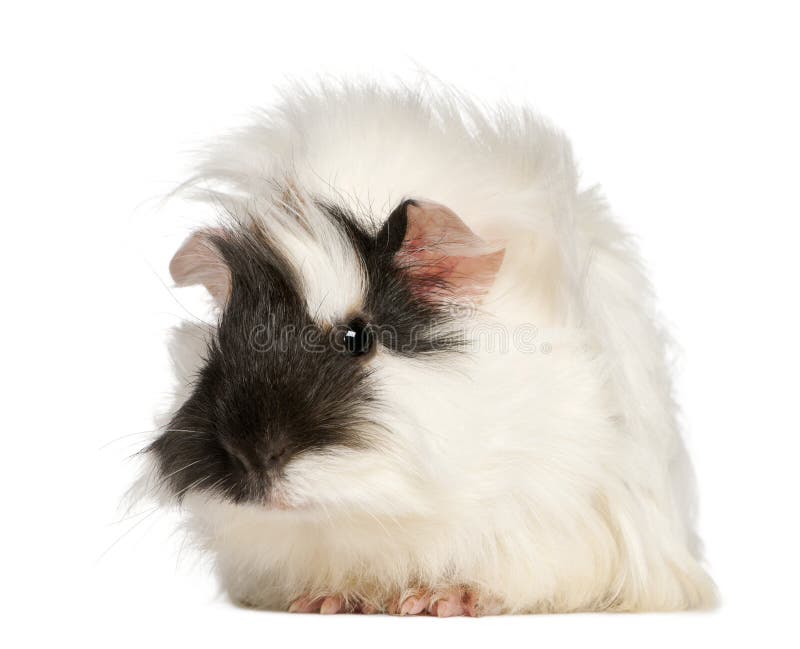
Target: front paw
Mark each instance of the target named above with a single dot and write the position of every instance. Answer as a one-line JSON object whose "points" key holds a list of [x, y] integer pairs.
{"points": [[449, 601], [329, 605], [445, 602]]}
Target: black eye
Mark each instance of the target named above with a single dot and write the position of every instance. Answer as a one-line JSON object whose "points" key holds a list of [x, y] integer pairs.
{"points": [[358, 337]]}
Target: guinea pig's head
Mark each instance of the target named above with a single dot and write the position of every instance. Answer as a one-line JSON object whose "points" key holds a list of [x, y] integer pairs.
{"points": [[334, 335]]}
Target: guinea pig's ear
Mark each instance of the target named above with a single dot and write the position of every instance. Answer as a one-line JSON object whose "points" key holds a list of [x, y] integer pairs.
{"points": [[199, 262], [438, 251]]}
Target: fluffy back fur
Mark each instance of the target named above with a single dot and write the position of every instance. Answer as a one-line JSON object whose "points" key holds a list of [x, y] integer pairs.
{"points": [[539, 465]]}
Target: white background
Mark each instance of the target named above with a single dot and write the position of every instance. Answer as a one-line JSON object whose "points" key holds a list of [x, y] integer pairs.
{"points": [[686, 113]]}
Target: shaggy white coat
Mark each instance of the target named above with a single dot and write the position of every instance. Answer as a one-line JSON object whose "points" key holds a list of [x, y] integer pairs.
{"points": [[543, 470]]}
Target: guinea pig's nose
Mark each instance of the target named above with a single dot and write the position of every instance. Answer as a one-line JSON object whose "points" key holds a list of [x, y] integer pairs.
{"points": [[277, 456]]}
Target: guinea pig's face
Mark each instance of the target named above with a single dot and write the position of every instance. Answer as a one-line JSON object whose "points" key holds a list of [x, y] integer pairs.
{"points": [[294, 407]]}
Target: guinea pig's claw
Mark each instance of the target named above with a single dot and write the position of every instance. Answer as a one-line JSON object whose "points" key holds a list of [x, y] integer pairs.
{"points": [[324, 605], [415, 603], [332, 605], [441, 603], [305, 605], [453, 602]]}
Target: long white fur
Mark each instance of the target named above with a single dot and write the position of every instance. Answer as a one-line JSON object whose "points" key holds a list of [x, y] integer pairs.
{"points": [[547, 478]]}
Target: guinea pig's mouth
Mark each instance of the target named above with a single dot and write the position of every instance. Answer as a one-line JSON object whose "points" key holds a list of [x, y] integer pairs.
{"points": [[191, 462], [278, 499]]}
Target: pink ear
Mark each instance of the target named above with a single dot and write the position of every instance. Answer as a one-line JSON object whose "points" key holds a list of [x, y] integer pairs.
{"points": [[443, 255], [198, 262]]}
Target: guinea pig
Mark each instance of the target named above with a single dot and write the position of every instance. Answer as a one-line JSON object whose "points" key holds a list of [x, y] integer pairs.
{"points": [[436, 384]]}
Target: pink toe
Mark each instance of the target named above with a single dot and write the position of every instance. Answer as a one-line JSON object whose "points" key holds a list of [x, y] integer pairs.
{"points": [[450, 605], [332, 605], [414, 605], [305, 605], [446, 608]]}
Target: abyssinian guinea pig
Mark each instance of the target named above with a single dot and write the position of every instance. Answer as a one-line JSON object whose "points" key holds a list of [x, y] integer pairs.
{"points": [[435, 384]]}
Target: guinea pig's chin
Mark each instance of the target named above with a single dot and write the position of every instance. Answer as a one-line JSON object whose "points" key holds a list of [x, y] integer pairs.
{"points": [[279, 499]]}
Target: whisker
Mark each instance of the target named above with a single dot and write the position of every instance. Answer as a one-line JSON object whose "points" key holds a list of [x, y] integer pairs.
{"points": [[121, 437], [128, 517], [196, 483], [132, 527], [177, 471]]}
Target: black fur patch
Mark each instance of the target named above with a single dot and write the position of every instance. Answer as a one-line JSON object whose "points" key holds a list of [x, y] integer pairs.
{"points": [[259, 402], [403, 323]]}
